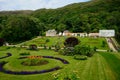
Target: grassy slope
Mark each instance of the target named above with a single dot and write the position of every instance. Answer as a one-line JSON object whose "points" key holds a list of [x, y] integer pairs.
{"points": [[102, 66]]}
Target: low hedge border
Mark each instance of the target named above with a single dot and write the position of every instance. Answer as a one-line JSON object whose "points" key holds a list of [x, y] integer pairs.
{"points": [[51, 57], [26, 72], [8, 55], [32, 72]]}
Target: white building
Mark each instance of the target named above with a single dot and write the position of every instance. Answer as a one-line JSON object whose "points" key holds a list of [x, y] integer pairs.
{"points": [[80, 34], [67, 33], [93, 34], [51, 33], [106, 33]]}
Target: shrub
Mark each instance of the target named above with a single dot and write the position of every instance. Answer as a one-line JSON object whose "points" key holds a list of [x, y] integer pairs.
{"points": [[57, 47], [8, 47], [103, 44], [25, 53], [47, 40], [49, 47], [90, 54], [61, 51], [69, 51], [45, 47], [71, 42], [80, 57], [95, 48], [72, 76], [83, 50], [33, 47]]}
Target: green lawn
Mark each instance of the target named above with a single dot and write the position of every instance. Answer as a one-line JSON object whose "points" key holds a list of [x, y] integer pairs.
{"points": [[93, 42], [102, 66]]}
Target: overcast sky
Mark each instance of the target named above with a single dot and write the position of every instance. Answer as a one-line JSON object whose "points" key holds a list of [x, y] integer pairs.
{"points": [[34, 4]]}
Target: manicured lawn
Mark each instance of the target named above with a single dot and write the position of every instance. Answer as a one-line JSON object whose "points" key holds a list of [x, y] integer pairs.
{"points": [[93, 42], [102, 66]]}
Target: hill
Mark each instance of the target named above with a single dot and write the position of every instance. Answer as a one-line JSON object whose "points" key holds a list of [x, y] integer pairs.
{"points": [[78, 17]]}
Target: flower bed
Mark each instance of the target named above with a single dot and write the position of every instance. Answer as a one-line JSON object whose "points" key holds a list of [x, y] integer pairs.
{"points": [[35, 62], [51, 57]]}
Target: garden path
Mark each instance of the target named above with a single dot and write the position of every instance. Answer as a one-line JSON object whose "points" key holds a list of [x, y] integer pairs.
{"points": [[110, 44]]}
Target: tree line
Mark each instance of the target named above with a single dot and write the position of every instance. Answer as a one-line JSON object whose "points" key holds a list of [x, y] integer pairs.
{"points": [[79, 17]]}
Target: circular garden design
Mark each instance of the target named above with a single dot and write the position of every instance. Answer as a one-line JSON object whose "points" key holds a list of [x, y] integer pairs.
{"points": [[32, 61]]}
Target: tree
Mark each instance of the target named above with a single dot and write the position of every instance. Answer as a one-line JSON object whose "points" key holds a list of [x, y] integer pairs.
{"points": [[2, 41], [71, 42], [69, 45], [83, 50], [19, 28]]}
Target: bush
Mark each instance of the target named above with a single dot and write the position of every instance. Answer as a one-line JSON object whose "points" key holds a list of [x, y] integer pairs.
{"points": [[103, 44], [57, 48], [50, 48], [80, 57], [95, 48], [33, 47], [61, 52], [69, 51], [25, 53], [83, 50], [71, 76], [47, 40], [45, 47], [90, 54]]}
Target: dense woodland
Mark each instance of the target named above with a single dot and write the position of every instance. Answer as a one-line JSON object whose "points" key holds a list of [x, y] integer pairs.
{"points": [[16, 26]]}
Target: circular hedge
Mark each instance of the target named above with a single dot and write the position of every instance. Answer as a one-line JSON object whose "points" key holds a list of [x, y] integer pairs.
{"points": [[33, 72], [26, 72]]}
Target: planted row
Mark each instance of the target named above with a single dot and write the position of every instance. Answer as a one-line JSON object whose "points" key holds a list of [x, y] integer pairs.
{"points": [[26, 72], [51, 57], [8, 55]]}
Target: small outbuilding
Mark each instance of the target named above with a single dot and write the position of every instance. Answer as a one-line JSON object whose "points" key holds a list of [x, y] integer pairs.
{"points": [[51, 32], [67, 33]]}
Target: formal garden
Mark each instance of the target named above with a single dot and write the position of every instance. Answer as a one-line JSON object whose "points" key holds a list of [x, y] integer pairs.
{"points": [[71, 59]]}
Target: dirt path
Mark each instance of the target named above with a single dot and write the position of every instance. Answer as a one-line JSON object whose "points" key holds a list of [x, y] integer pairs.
{"points": [[110, 44]]}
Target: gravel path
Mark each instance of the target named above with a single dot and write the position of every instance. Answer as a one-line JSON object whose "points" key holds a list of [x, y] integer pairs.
{"points": [[110, 44]]}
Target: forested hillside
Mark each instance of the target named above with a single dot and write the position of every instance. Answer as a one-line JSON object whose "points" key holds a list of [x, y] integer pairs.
{"points": [[79, 17]]}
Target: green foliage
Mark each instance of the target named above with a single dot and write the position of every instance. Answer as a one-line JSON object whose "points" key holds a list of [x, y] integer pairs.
{"points": [[45, 47], [57, 47], [35, 62], [103, 44], [79, 17], [33, 47], [47, 40], [61, 51], [71, 42], [19, 28], [71, 76], [50, 47], [83, 50], [69, 51]]}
